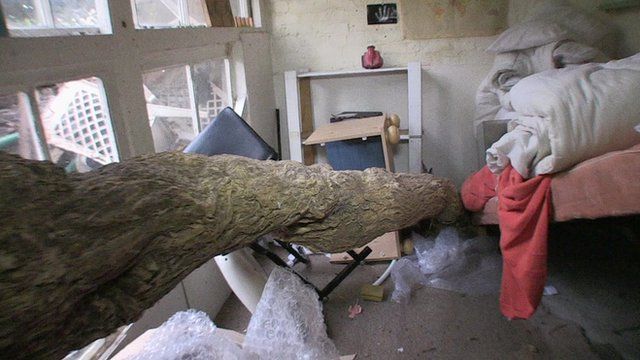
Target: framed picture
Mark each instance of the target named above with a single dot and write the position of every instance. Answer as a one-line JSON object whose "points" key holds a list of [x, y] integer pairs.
{"points": [[382, 14]]}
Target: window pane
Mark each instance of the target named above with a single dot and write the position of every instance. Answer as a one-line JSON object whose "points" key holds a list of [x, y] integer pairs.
{"points": [[21, 14], [17, 135], [171, 115], [197, 13], [156, 13], [212, 94], [170, 13], [35, 18], [74, 13], [77, 125]]}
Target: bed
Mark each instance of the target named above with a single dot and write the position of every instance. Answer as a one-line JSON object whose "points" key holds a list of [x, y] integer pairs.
{"points": [[604, 186], [572, 146]]}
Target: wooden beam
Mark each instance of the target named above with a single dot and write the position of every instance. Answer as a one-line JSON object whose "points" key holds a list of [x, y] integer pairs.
{"points": [[219, 12], [306, 119]]}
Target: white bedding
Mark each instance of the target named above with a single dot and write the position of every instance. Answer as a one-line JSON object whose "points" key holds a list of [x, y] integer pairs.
{"points": [[565, 116], [492, 97]]}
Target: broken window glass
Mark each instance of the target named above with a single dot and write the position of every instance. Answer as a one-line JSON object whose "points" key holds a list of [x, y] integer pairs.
{"points": [[77, 125], [170, 107], [182, 100], [211, 82]]}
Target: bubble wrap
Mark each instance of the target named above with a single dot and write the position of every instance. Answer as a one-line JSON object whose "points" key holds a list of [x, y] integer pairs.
{"points": [[288, 322], [189, 335], [450, 262]]}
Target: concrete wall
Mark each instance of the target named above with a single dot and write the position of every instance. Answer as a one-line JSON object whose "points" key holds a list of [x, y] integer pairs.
{"points": [[119, 60], [332, 35]]}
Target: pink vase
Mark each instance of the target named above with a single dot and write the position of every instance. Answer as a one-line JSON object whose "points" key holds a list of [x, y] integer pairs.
{"points": [[371, 59]]}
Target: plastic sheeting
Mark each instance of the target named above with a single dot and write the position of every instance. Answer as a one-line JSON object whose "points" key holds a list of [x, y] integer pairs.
{"points": [[450, 262], [189, 335], [288, 324]]}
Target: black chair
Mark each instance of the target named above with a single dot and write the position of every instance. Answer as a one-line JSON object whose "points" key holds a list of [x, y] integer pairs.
{"points": [[228, 133]]}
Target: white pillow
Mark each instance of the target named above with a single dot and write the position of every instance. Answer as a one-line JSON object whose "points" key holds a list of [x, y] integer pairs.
{"points": [[585, 27], [527, 35]]}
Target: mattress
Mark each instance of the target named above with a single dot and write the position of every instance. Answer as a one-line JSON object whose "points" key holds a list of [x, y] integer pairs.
{"points": [[604, 186]]}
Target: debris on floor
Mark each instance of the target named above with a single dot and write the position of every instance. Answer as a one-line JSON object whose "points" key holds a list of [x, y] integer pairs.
{"points": [[550, 290], [372, 292], [354, 310], [450, 262]]}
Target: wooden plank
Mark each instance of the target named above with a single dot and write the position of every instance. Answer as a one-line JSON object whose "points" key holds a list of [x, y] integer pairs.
{"points": [[306, 119], [387, 152], [345, 130], [219, 12], [384, 248]]}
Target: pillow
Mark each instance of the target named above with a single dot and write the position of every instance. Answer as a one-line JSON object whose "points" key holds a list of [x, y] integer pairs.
{"points": [[527, 35], [585, 27]]}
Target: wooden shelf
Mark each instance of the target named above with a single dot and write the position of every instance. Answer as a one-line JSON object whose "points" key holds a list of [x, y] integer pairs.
{"points": [[357, 72], [300, 125], [345, 130]]}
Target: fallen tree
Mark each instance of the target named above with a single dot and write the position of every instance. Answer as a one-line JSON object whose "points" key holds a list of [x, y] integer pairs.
{"points": [[82, 254]]}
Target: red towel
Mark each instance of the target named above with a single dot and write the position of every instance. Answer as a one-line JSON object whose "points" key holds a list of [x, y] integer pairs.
{"points": [[524, 211]]}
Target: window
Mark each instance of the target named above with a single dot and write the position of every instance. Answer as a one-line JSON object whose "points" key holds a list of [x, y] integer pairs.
{"points": [[56, 17], [182, 100], [76, 124], [150, 14]]}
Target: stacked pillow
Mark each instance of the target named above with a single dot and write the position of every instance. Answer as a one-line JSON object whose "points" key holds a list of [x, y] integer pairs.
{"points": [[551, 22]]}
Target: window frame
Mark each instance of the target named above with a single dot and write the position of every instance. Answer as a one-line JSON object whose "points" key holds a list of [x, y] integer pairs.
{"points": [[119, 60]]}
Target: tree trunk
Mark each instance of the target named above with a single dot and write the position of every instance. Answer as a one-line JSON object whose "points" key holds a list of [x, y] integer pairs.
{"points": [[82, 254]]}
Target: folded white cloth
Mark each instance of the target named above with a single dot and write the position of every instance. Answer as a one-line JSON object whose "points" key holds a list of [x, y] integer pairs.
{"points": [[565, 116]]}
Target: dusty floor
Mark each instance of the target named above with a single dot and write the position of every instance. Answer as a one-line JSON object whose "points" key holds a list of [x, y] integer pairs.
{"points": [[595, 315]]}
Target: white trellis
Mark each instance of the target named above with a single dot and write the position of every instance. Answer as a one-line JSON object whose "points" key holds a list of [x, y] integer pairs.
{"points": [[78, 120]]}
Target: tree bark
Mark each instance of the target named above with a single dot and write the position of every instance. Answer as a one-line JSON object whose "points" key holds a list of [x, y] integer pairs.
{"points": [[82, 254]]}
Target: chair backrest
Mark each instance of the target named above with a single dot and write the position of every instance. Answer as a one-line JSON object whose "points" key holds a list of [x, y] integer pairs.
{"points": [[228, 133]]}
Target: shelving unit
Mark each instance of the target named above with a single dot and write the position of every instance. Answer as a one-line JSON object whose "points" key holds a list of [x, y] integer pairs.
{"points": [[302, 144], [300, 119]]}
